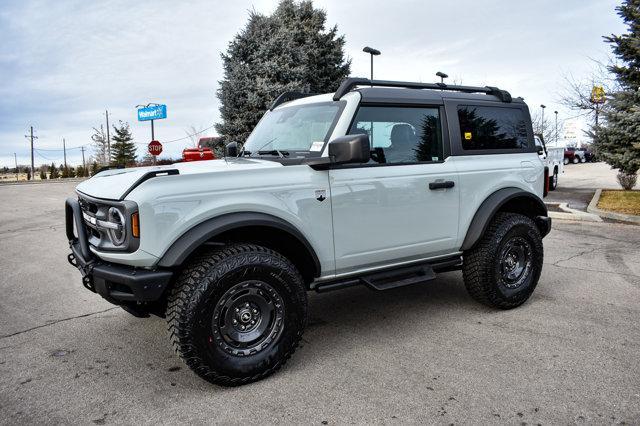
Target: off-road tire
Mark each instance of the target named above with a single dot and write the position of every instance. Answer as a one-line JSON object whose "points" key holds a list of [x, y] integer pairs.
{"points": [[483, 264], [575, 160], [204, 285]]}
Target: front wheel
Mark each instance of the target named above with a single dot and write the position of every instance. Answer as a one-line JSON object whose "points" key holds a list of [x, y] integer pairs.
{"points": [[565, 161], [503, 268], [576, 160], [583, 159], [237, 313]]}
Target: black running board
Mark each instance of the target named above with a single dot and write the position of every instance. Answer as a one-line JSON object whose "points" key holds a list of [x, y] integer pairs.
{"points": [[396, 277], [399, 277]]}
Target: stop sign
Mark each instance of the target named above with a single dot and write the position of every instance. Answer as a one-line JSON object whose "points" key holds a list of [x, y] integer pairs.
{"points": [[155, 148]]}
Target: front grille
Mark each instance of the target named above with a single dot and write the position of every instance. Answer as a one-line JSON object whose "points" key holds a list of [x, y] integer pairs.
{"points": [[88, 206], [99, 223]]}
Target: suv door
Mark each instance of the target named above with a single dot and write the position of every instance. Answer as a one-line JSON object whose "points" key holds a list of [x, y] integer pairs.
{"points": [[403, 205]]}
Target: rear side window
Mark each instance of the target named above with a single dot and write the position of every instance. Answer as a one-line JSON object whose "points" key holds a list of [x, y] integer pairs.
{"points": [[484, 127]]}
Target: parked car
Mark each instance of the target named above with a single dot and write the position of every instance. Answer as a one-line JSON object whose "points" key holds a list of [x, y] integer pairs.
{"points": [[552, 157], [197, 154], [590, 155], [574, 155], [383, 184]]}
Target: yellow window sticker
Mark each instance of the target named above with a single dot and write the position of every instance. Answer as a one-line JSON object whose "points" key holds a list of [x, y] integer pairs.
{"points": [[467, 136]]}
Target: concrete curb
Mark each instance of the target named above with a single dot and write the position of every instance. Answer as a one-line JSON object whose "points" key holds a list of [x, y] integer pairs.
{"points": [[573, 214], [593, 208]]}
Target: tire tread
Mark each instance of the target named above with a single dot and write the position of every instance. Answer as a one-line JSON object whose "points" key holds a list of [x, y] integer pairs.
{"points": [[190, 285]]}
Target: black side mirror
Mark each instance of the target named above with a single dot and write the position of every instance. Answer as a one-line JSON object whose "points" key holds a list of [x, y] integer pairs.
{"points": [[232, 149], [350, 149]]}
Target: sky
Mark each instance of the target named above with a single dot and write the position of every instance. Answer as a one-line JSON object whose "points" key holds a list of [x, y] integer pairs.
{"points": [[63, 63]]}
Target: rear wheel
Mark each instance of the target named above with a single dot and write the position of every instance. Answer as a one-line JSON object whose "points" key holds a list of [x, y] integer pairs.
{"points": [[503, 268], [565, 161], [237, 314], [583, 159], [575, 160], [553, 180]]}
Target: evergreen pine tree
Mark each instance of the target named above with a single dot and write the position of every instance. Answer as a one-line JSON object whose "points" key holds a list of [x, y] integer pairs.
{"points": [[123, 150], [53, 171], [289, 50], [618, 139], [43, 172], [94, 168]]}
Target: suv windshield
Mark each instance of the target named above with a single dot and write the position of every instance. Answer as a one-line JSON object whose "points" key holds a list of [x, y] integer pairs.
{"points": [[296, 131]]}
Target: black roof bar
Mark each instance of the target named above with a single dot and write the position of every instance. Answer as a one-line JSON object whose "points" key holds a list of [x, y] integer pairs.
{"points": [[350, 83], [288, 96]]}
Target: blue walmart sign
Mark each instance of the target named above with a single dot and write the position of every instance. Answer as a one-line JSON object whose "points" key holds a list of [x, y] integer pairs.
{"points": [[153, 112]]}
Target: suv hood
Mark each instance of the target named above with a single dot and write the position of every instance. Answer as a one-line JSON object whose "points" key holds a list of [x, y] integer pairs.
{"points": [[113, 184]]}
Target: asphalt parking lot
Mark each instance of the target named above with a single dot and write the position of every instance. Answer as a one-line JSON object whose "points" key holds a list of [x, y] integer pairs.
{"points": [[425, 354]]}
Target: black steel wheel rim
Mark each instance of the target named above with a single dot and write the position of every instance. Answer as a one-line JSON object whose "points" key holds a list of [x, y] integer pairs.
{"points": [[515, 262], [247, 318]]}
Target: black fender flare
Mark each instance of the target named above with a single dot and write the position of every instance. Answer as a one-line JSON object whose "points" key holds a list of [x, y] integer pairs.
{"points": [[492, 204], [195, 237]]}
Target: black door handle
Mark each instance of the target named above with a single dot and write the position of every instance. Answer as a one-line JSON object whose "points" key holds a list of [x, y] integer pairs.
{"points": [[443, 184]]}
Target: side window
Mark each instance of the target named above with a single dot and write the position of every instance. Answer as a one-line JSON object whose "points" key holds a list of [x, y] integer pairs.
{"points": [[483, 127], [401, 134]]}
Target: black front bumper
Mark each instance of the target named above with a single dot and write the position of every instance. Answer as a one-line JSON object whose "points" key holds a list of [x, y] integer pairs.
{"points": [[119, 284]]}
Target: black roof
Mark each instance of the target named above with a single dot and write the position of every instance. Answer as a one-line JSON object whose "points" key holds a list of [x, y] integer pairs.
{"points": [[406, 90], [408, 96]]}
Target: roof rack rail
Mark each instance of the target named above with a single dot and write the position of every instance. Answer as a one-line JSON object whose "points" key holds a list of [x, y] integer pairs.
{"points": [[350, 83], [288, 96]]}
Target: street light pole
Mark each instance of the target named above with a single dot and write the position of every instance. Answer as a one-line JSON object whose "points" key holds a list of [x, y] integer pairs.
{"points": [[556, 113], [542, 120], [442, 76], [106, 114], [373, 52]]}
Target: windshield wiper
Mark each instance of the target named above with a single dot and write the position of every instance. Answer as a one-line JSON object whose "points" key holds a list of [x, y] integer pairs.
{"points": [[280, 154]]}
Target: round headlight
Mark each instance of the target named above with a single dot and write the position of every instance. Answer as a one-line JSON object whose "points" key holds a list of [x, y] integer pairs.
{"points": [[117, 236]]}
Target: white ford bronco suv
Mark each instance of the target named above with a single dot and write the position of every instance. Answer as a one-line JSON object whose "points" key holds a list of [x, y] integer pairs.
{"points": [[382, 184]]}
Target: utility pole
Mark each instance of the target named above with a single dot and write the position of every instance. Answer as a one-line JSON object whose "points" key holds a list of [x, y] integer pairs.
{"points": [[84, 166], [15, 158], [31, 137], [106, 114], [64, 149]]}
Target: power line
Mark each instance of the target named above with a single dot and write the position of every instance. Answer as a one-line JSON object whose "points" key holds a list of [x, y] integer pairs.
{"points": [[137, 143], [183, 138], [60, 149], [43, 157]]}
